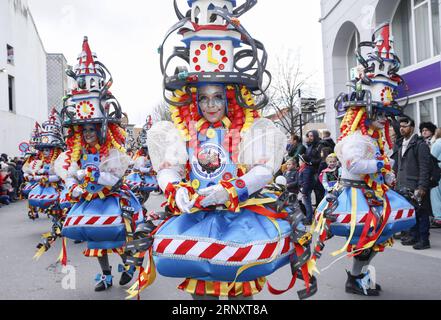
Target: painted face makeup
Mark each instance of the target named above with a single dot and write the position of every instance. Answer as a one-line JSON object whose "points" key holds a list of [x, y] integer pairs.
{"points": [[380, 122], [90, 135], [212, 102], [46, 152]]}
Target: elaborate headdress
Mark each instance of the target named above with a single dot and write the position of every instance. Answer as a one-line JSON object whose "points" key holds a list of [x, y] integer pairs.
{"points": [[50, 135], [142, 138], [35, 135], [376, 87], [212, 37], [91, 102]]}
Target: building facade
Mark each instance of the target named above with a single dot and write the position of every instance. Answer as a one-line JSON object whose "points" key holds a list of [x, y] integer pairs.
{"points": [[58, 83], [23, 81], [416, 28]]}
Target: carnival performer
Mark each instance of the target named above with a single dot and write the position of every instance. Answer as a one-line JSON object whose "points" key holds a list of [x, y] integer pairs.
{"points": [[142, 178], [104, 209], [30, 159], [44, 196], [362, 207], [225, 234]]}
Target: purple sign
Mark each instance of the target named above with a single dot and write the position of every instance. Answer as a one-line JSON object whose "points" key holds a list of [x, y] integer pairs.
{"points": [[422, 80]]}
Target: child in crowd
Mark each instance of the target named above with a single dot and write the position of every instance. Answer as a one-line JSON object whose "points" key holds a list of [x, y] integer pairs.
{"points": [[331, 174], [306, 183]]}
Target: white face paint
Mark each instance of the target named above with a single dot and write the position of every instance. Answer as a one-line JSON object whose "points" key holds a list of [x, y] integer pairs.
{"points": [[46, 152], [379, 122], [90, 135], [212, 102]]}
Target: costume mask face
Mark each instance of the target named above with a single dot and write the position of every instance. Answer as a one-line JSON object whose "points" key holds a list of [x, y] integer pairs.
{"points": [[379, 122], [212, 102], [89, 134], [46, 152]]}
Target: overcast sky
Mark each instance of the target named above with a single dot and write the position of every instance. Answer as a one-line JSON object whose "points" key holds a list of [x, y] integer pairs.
{"points": [[126, 34]]}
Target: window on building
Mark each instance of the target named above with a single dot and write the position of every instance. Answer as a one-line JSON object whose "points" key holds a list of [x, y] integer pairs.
{"points": [[352, 57], [422, 31], [402, 30], [436, 27], [438, 108], [11, 93], [410, 111], [426, 110], [10, 54], [416, 30]]}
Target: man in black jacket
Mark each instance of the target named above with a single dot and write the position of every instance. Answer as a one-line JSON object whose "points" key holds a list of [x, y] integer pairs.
{"points": [[412, 167], [313, 152]]}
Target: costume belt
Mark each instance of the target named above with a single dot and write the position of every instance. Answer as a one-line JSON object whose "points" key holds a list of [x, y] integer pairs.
{"points": [[354, 184]]}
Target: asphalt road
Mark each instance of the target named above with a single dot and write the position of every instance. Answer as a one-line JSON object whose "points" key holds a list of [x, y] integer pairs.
{"points": [[403, 272]]}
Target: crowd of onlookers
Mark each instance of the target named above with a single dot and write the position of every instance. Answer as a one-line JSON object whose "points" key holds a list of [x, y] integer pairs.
{"points": [[11, 178], [312, 168]]}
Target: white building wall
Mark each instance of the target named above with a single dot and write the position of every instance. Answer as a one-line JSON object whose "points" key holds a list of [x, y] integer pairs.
{"points": [[17, 29]]}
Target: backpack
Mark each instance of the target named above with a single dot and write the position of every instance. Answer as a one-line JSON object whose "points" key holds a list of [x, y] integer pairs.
{"points": [[435, 170]]}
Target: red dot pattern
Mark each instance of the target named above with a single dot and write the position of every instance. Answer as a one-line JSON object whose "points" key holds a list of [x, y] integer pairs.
{"points": [[218, 48]]}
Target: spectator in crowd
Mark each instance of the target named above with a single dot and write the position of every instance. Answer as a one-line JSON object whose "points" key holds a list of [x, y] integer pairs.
{"points": [[313, 153], [330, 175], [306, 183], [296, 148], [327, 141], [427, 130], [20, 174], [325, 152], [412, 167], [435, 194], [292, 177], [5, 183]]}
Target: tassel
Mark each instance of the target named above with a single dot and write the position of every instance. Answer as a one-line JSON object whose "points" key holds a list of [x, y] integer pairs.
{"points": [[145, 279]]}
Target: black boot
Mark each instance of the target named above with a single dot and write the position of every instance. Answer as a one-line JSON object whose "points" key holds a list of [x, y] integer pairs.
{"points": [[127, 274], [361, 285], [104, 282]]}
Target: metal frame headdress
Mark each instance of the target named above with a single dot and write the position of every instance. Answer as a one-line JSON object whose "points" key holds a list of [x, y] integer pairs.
{"points": [[50, 133], [218, 27], [91, 102], [377, 87]]}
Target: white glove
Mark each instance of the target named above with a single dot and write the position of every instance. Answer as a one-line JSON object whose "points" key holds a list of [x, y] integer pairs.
{"points": [[54, 178], [183, 200], [38, 178], [81, 174], [390, 179], [214, 195], [77, 192], [145, 170]]}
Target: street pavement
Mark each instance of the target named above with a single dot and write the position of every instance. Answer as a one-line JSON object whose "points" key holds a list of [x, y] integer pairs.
{"points": [[404, 274]]}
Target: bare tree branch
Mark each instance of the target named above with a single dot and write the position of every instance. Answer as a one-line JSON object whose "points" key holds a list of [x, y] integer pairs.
{"points": [[284, 98]]}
